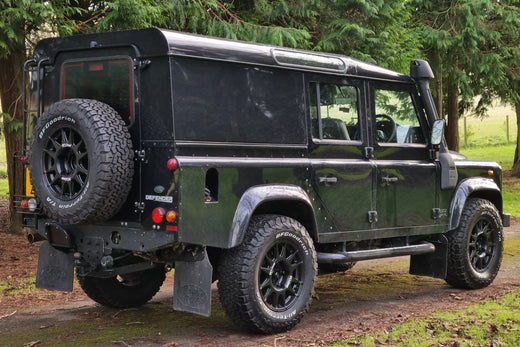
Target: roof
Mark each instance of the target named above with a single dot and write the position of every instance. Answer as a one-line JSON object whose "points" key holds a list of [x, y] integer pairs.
{"points": [[154, 42]]}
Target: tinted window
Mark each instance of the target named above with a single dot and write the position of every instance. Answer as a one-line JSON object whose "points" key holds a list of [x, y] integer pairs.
{"points": [[234, 103], [334, 112], [106, 81]]}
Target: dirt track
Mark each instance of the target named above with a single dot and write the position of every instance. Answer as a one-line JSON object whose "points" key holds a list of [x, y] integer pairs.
{"points": [[374, 295]]}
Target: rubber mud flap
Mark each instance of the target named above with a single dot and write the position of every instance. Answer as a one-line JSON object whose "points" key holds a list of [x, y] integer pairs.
{"points": [[192, 286], [55, 269]]}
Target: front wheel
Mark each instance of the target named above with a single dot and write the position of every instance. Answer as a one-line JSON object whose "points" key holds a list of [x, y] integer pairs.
{"points": [[476, 246], [267, 282]]}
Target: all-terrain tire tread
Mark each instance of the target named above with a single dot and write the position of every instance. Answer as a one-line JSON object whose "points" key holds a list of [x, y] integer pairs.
{"points": [[235, 269], [459, 274]]}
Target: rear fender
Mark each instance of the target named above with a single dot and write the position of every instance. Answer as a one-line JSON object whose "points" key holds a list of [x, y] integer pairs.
{"points": [[264, 195]]}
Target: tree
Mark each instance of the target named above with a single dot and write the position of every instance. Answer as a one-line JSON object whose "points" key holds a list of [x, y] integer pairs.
{"points": [[22, 22], [374, 31], [506, 21], [455, 35]]}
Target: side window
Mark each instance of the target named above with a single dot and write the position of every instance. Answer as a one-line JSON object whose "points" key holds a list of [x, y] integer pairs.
{"points": [[396, 118], [334, 112], [108, 81]]}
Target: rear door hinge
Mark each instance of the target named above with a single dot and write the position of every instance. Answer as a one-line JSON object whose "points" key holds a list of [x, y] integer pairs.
{"points": [[372, 217], [140, 155], [139, 207]]}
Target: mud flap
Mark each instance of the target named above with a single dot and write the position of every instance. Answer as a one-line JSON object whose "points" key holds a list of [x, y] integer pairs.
{"points": [[432, 264], [192, 286], [55, 269]]}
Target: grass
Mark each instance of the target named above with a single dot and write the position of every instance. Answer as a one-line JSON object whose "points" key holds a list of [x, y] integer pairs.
{"points": [[490, 130], [490, 323]]}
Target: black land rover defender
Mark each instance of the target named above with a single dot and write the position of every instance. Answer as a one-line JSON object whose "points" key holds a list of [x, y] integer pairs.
{"points": [[241, 163]]}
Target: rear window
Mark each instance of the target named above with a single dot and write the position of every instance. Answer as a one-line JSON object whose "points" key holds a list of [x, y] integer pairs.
{"points": [[108, 81], [222, 102]]}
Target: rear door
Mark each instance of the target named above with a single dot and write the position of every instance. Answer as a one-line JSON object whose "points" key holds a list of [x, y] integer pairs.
{"points": [[341, 175]]}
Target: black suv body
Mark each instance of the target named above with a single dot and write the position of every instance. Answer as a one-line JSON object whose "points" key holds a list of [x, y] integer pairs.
{"points": [[244, 163]]}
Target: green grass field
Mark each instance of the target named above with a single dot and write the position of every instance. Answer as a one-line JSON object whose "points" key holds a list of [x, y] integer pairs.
{"points": [[491, 130]]}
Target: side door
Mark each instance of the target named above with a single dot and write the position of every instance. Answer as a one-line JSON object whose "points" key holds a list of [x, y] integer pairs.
{"points": [[341, 175], [406, 180]]}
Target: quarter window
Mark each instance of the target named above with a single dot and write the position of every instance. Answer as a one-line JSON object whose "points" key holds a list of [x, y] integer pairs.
{"points": [[334, 112]]}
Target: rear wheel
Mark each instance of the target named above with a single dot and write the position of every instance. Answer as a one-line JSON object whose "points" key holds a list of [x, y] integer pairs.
{"points": [[476, 246], [129, 290], [267, 282]]}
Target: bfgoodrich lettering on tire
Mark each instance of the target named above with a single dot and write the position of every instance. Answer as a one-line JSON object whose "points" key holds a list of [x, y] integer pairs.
{"points": [[476, 246], [81, 161], [266, 283]]}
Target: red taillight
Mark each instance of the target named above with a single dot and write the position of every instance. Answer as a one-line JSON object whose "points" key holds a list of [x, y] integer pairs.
{"points": [[24, 204], [172, 164], [158, 215], [25, 160]]}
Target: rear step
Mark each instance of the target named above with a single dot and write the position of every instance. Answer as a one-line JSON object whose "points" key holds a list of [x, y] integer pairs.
{"points": [[345, 257]]}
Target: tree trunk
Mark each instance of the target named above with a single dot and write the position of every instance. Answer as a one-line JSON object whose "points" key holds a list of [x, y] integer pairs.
{"points": [[453, 116], [438, 95], [515, 171], [11, 92]]}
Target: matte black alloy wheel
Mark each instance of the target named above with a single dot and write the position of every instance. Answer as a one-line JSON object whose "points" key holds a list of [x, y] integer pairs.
{"points": [[65, 163], [280, 275], [266, 283], [81, 161], [482, 244], [476, 246]]}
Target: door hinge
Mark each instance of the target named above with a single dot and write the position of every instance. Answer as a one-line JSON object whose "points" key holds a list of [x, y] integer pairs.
{"points": [[368, 152], [140, 155], [139, 207], [372, 217]]}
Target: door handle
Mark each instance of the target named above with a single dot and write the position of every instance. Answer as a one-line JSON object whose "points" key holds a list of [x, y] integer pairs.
{"points": [[389, 179], [328, 179]]}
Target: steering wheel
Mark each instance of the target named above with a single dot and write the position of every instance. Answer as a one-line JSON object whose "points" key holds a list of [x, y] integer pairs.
{"points": [[386, 128]]}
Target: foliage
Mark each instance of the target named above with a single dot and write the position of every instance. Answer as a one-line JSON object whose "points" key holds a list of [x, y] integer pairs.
{"points": [[492, 322], [375, 31]]}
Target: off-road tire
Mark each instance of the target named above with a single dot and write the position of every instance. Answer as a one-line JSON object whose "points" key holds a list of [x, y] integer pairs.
{"points": [[476, 246], [331, 268], [267, 282], [126, 291], [81, 161]]}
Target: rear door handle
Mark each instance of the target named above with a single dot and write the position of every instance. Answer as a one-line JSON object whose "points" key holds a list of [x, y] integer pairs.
{"points": [[328, 179], [389, 179]]}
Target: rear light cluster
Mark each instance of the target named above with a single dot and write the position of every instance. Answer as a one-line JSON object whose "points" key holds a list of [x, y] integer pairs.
{"points": [[159, 214], [29, 204]]}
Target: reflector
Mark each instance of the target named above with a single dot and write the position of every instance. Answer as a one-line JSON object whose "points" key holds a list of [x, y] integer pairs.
{"points": [[172, 164]]}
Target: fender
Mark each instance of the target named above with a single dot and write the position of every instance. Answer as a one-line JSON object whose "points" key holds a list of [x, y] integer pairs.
{"points": [[478, 186], [258, 195]]}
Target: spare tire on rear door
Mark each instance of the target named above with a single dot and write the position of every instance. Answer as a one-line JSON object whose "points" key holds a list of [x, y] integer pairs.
{"points": [[81, 161]]}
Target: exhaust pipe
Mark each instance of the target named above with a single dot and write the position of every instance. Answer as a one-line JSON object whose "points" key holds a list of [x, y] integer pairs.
{"points": [[34, 237]]}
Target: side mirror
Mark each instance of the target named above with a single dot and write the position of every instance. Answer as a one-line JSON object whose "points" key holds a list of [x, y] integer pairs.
{"points": [[437, 132]]}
